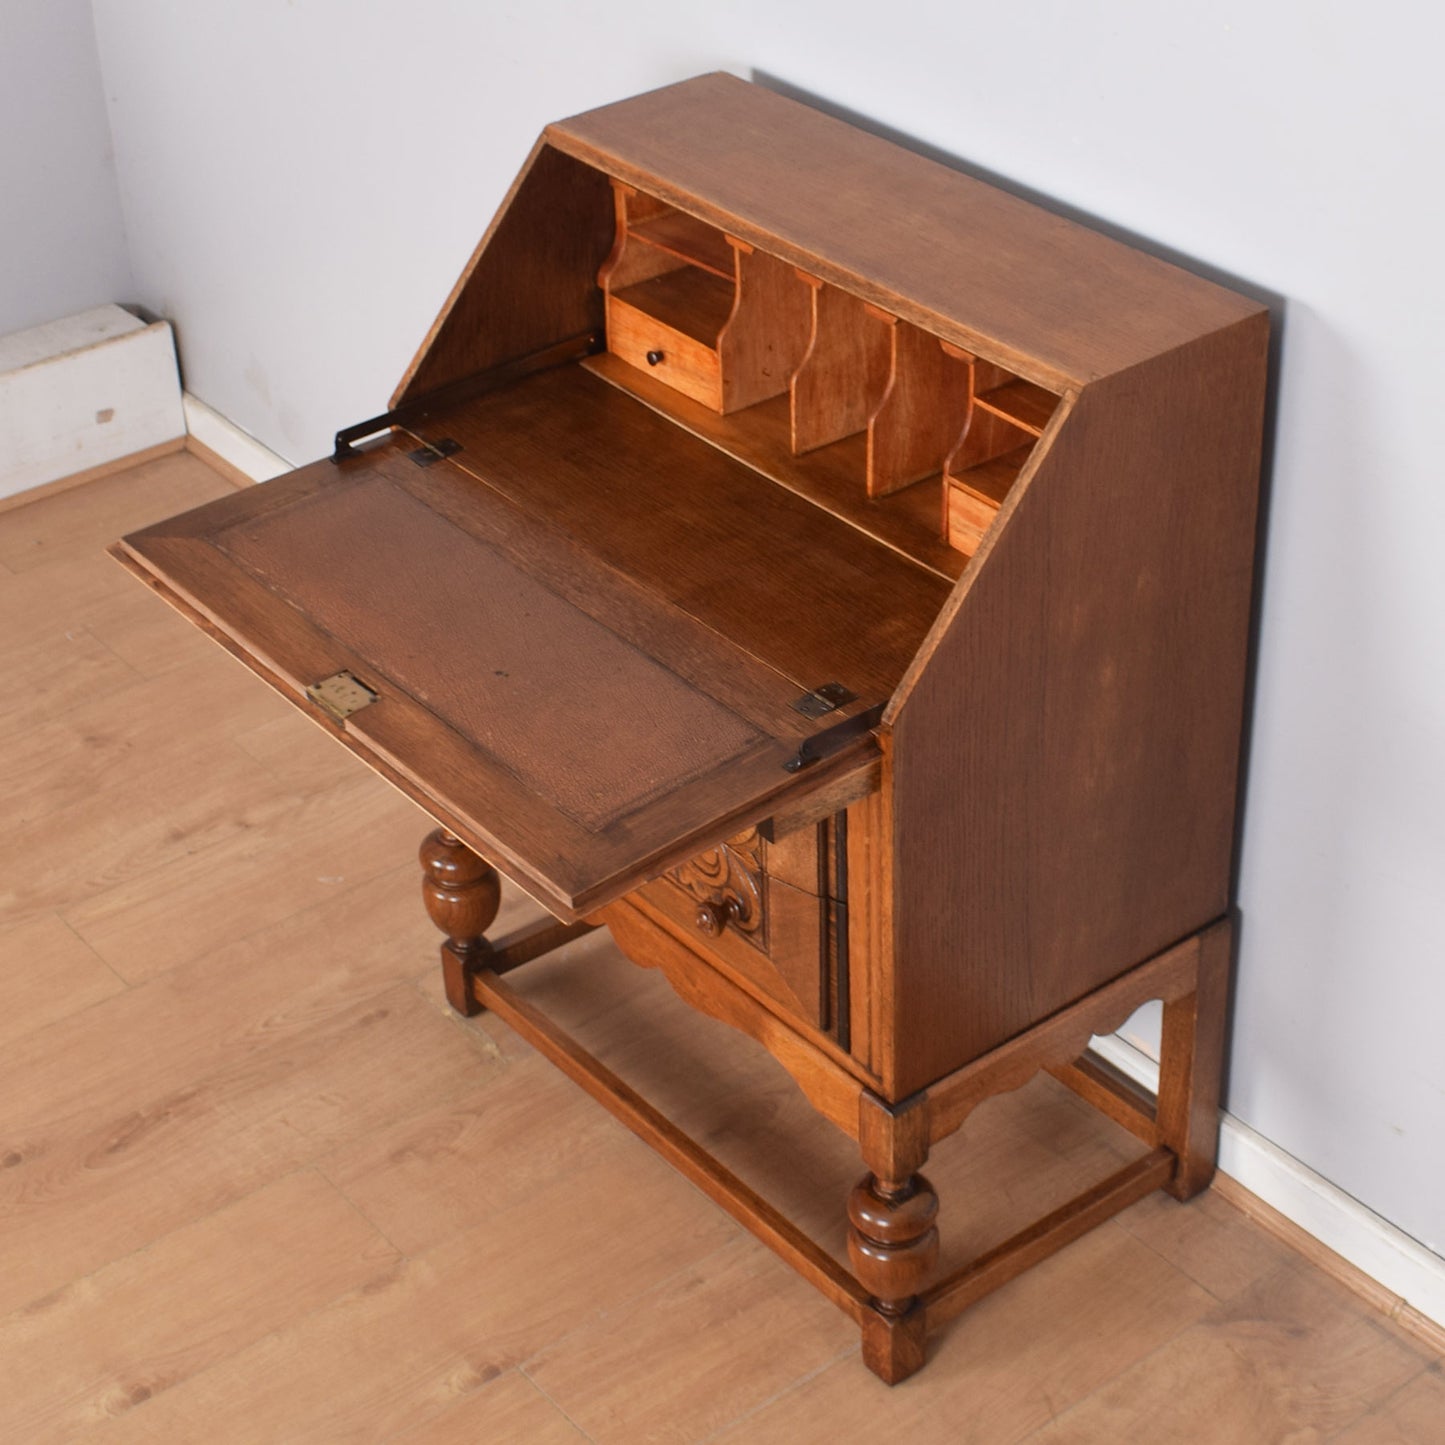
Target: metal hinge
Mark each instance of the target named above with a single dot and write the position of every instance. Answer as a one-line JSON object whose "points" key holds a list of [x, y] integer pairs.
{"points": [[825, 699], [340, 695], [429, 452]]}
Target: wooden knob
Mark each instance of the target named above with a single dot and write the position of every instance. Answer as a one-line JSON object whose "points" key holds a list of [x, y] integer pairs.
{"points": [[714, 916], [654, 358]]}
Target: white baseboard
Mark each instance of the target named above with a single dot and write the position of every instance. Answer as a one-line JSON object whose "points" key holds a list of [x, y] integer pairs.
{"points": [[83, 391], [234, 446], [1402, 1265]]}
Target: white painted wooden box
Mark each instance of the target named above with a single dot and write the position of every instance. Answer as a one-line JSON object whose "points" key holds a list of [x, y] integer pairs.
{"points": [[84, 391]]}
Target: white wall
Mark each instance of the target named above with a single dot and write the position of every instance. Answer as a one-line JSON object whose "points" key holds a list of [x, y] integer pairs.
{"points": [[302, 183], [62, 248]]}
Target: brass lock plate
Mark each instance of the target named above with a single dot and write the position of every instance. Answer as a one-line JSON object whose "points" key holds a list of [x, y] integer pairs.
{"points": [[340, 695]]}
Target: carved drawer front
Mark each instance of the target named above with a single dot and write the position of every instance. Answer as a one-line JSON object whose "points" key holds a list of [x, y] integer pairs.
{"points": [[761, 910]]}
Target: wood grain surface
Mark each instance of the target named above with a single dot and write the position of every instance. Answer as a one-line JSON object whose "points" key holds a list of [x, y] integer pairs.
{"points": [[1078, 812], [814, 598], [531, 281]]}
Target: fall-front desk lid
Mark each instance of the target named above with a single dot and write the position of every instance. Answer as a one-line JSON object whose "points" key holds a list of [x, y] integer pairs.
{"points": [[588, 667]]}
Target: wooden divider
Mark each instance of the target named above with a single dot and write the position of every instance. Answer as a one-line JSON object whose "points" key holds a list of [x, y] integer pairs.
{"points": [[841, 379], [923, 408], [730, 326]]}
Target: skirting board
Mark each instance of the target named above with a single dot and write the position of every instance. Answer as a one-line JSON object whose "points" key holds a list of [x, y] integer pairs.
{"points": [[79, 393], [223, 439], [1402, 1268], [1405, 1270]]}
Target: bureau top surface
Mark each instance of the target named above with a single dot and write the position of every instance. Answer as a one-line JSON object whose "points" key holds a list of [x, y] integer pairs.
{"points": [[1052, 298]]}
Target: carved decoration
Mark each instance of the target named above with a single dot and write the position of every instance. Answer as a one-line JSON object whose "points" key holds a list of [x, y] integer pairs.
{"points": [[731, 876]]}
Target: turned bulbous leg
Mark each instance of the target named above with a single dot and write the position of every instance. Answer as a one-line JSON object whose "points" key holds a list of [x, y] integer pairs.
{"points": [[462, 894], [893, 1246]]}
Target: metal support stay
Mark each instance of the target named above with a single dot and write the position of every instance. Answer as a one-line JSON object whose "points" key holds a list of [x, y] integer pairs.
{"points": [[409, 413]]}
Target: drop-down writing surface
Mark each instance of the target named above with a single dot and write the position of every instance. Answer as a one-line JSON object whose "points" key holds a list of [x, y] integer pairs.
{"points": [[812, 595], [580, 729]]}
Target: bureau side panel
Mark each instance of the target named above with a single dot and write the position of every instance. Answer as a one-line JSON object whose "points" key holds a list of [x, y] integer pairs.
{"points": [[532, 280], [1065, 760]]}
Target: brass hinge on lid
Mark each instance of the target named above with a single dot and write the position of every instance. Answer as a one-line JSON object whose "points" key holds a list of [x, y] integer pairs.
{"points": [[340, 695]]}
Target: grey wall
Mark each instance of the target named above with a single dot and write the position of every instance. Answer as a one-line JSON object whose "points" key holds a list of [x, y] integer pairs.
{"points": [[303, 182], [62, 248]]}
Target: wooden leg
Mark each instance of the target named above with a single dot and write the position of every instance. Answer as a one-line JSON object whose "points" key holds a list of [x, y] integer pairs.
{"points": [[462, 894], [892, 1239], [1192, 1066], [894, 1345]]}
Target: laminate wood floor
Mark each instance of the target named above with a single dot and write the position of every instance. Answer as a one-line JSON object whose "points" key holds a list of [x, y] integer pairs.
{"points": [[258, 1184]]}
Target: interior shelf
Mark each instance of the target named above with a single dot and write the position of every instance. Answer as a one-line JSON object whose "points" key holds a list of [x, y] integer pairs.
{"points": [[694, 302], [716, 319], [690, 240], [909, 437], [1021, 402], [971, 502]]}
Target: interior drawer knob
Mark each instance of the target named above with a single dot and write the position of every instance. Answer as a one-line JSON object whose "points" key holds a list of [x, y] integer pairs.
{"points": [[715, 915], [654, 358]]}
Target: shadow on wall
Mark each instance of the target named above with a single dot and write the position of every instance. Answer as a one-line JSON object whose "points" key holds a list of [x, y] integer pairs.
{"points": [[1334, 565]]}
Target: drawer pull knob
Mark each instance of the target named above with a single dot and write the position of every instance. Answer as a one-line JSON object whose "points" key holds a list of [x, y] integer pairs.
{"points": [[714, 916], [654, 358]]}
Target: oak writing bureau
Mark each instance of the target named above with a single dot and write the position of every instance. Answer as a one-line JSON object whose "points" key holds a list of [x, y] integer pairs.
{"points": [[832, 575]]}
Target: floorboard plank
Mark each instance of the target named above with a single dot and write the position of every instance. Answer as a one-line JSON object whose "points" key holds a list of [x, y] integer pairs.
{"points": [[286, 863], [754, 1326], [510, 1407], [105, 741], [389, 1357], [1294, 1357], [85, 520], [153, 812], [47, 973], [1414, 1415], [100, 1346]]}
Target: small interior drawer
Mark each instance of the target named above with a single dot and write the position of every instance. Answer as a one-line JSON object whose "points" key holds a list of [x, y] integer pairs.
{"points": [[639, 335]]}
